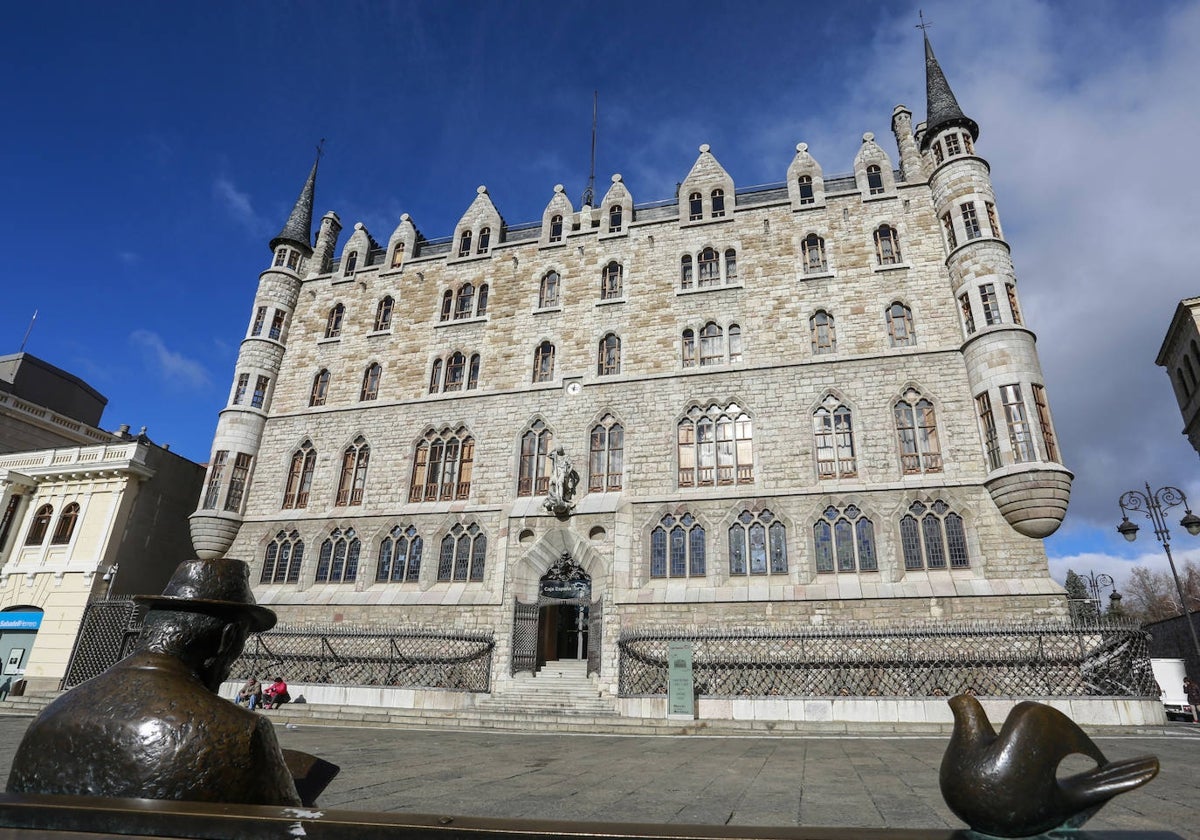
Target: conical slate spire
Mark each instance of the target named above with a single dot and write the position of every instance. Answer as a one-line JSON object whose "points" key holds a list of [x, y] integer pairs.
{"points": [[298, 228], [942, 109]]}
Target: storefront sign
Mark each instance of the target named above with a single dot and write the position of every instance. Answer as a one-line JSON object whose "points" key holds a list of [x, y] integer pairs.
{"points": [[680, 694], [20, 620], [565, 588]]}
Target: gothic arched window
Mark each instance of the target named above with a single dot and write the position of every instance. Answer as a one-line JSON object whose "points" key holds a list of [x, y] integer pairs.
{"points": [[757, 544], [929, 534], [281, 563], [695, 207], [442, 466], [813, 250], [370, 385], [715, 447], [916, 426], [353, 479], [874, 180], [824, 339], [533, 473], [338, 561], [606, 457], [708, 268], [845, 537], [614, 218], [300, 476], [608, 362], [833, 431], [383, 314], [900, 325], [543, 362], [887, 245], [333, 324], [677, 547], [464, 244], [556, 229], [485, 240], [464, 302], [463, 553], [718, 203], [610, 281], [548, 293], [399, 556]]}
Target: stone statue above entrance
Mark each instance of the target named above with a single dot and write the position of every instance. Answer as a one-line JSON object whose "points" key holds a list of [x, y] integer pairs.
{"points": [[560, 497]]}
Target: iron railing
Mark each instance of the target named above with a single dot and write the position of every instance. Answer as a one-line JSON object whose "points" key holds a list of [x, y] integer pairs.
{"points": [[406, 658], [920, 660]]}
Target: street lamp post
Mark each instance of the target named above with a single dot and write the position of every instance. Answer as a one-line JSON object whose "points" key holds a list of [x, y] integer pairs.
{"points": [[1154, 503], [1097, 582]]}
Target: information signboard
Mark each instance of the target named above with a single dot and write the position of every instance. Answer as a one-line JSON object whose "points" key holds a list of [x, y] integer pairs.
{"points": [[680, 694]]}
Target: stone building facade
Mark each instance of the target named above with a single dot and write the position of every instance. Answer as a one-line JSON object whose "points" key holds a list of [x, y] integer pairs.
{"points": [[798, 404], [1180, 356]]}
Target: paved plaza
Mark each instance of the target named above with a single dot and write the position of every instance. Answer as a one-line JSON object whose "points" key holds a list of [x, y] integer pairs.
{"points": [[872, 782]]}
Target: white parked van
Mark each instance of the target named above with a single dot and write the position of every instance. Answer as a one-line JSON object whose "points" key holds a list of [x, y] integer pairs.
{"points": [[1169, 674]]}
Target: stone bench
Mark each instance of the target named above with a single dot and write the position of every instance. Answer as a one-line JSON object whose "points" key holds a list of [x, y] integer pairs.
{"points": [[29, 815]]}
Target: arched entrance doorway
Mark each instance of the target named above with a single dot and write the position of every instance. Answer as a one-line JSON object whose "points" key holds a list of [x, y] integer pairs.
{"points": [[564, 622]]}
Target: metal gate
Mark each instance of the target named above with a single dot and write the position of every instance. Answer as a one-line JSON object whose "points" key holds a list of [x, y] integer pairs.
{"points": [[525, 638], [107, 634], [595, 625]]}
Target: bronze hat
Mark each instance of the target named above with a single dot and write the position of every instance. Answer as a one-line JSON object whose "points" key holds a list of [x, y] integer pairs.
{"points": [[217, 587]]}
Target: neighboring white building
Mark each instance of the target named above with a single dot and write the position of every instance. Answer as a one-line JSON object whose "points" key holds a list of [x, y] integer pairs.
{"points": [[812, 402], [78, 523]]}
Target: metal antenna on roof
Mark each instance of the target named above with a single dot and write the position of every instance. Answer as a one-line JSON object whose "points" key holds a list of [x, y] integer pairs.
{"points": [[924, 24], [588, 194], [28, 330]]}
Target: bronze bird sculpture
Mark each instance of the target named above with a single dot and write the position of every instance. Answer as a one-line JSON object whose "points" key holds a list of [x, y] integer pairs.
{"points": [[1006, 785]]}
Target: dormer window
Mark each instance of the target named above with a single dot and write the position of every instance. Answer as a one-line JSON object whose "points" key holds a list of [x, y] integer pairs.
{"points": [[351, 263], [718, 203], [806, 190], [952, 145], [695, 207], [556, 229], [938, 156], [464, 244], [280, 256], [293, 259], [485, 240], [398, 255], [614, 218], [874, 180]]}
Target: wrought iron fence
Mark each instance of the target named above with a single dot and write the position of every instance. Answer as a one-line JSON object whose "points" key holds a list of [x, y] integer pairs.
{"points": [[920, 660], [407, 658]]}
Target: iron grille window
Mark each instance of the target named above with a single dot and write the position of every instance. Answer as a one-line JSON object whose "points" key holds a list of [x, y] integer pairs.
{"points": [[715, 447], [677, 547], [463, 553], [931, 535], [845, 541], [338, 561], [605, 462], [284, 555], [757, 544], [300, 475], [442, 466], [400, 556], [916, 427]]}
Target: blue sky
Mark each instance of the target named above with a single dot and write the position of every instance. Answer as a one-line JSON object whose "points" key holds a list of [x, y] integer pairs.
{"points": [[152, 150]]}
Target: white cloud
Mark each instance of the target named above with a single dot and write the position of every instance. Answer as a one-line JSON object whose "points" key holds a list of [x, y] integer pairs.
{"points": [[174, 367], [239, 207], [1118, 568]]}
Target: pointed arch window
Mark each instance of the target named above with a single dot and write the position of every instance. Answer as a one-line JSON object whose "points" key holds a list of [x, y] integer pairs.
{"points": [[473, 372], [549, 291], [833, 431], [708, 268], [718, 203], [353, 479], [900, 325], [351, 263], [556, 229], [300, 476], [464, 302], [399, 556], [813, 250], [715, 447], [614, 218], [435, 376], [688, 348], [333, 324], [463, 553], [677, 547], [65, 526], [807, 196], [338, 561], [610, 281], [712, 345], [383, 314], [735, 343], [481, 301], [533, 473], [543, 362], [731, 265], [695, 207], [844, 540], [485, 240], [281, 562], [370, 385], [685, 271], [442, 466], [456, 367], [931, 535], [447, 304], [824, 339], [916, 427], [40, 525], [464, 244], [757, 544], [887, 245], [398, 255], [874, 180], [609, 359], [606, 459]]}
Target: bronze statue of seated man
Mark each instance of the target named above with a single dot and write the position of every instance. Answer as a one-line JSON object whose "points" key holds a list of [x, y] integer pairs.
{"points": [[153, 726]]}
